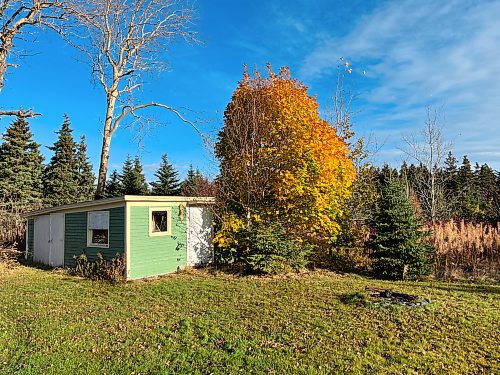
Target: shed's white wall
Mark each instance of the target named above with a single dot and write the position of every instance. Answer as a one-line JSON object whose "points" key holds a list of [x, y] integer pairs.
{"points": [[41, 251], [199, 236], [56, 240], [49, 239]]}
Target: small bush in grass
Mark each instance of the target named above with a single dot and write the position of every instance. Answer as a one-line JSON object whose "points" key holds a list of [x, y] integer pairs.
{"points": [[268, 248], [101, 269], [349, 259], [357, 298]]}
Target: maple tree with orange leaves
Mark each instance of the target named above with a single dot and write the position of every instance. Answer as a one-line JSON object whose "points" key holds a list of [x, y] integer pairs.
{"points": [[279, 161]]}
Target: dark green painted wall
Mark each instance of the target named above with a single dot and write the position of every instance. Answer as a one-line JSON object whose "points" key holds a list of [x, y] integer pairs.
{"points": [[31, 235], [75, 236], [155, 255]]}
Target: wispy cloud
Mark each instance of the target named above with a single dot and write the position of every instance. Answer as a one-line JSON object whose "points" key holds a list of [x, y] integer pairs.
{"points": [[419, 53]]}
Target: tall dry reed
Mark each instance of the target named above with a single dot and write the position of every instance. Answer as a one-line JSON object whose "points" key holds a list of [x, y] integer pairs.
{"points": [[12, 229], [466, 250]]}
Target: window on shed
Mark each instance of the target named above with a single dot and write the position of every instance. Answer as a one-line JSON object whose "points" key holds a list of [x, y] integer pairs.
{"points": [[160, 221], [98, 229]]}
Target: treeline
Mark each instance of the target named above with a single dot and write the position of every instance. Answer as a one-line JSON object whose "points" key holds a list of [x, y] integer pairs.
{"points": [[28, 183], [406, 222], [131, 181], [451, 192]]}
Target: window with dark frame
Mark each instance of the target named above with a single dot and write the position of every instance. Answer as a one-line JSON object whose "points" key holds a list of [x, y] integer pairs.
{"points": [[160, 221]]}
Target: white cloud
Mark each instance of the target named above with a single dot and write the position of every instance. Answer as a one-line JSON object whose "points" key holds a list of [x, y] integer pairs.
{"points": [[418, 53]]}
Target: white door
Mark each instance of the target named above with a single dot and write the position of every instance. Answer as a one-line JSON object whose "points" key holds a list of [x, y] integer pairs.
{"points": [[199, 236], [41, 253], [56, 240]]}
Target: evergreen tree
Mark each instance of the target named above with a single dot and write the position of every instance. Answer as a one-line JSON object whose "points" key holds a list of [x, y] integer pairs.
{"points": [[468, 207], [133, 179], [114, 186], [21, 169], [127, 175], [451, 184], [167, 179], [188, 186], [399, 248], [61, 178], [488, 194], [86, 177], [385, 174], [451, 164]]}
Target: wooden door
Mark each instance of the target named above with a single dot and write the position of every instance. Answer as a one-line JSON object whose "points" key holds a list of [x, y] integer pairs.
{"points": [[56, 240], [41, 253]]}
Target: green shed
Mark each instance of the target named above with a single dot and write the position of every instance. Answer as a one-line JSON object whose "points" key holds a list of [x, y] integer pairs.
{"points": [[156, 234]]}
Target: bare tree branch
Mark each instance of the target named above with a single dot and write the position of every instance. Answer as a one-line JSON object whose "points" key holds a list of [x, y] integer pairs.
{"points": [[429, 149], [123, 40], [19, 113], [16, 15], [131, 110]]}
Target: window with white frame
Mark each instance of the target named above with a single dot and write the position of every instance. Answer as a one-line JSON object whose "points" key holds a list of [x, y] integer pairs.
{"points": [[160, 221], [98, 229]]}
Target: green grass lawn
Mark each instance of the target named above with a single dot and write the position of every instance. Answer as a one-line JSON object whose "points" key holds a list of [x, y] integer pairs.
{"points": [[203, 323]]}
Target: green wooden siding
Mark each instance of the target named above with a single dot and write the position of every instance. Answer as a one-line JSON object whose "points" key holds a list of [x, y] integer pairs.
{"points": [[31, 236], [75, 236], [155, 255]]}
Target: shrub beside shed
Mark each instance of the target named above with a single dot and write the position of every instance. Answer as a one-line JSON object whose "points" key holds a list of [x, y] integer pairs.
{"points": [[156, 235]]}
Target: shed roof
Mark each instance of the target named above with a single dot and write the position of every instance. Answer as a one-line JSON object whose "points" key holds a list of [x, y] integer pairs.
{"points": [[123, 199]]}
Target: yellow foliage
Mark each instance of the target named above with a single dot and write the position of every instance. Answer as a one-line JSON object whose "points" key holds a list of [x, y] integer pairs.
{"points": [[231, 225], [298, 158]]}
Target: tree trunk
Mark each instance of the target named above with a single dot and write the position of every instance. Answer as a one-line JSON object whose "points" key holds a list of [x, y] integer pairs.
{"points": [[103, 166], [5, 46], [433, 195], [106, 143]]}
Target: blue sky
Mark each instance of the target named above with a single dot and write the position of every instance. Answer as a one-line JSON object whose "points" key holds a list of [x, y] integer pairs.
{"points": [[413, 53]]}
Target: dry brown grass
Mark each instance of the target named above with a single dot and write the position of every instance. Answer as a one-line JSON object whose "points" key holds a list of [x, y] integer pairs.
{"points": [[9, 258], [12, 229], [466, 250]]}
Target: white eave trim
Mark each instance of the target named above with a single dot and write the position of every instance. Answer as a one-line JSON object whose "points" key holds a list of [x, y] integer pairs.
{"points": [[82, 206]]}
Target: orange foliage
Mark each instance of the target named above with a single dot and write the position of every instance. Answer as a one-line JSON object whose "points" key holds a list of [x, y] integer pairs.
{"points": [[280, 160]]}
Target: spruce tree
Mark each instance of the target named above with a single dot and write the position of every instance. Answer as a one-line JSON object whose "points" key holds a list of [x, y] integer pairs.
{"points": [[399, 247], [86, 177], [188, 186], [133, 179], [114, 186], [127, 175], [468, 204], [488, 194], [21, 169], [451, 184], [451, 165], [167, 182], [142, 185], [61, 174]]}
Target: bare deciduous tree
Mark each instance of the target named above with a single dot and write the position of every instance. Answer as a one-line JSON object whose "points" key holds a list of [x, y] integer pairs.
{"points": [[429, 149], [123, 40], [245, 180], [15, 17], [361, 148]]}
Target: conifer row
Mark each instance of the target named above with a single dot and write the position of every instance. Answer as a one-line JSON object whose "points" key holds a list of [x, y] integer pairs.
{"points": [[26, 183]]}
